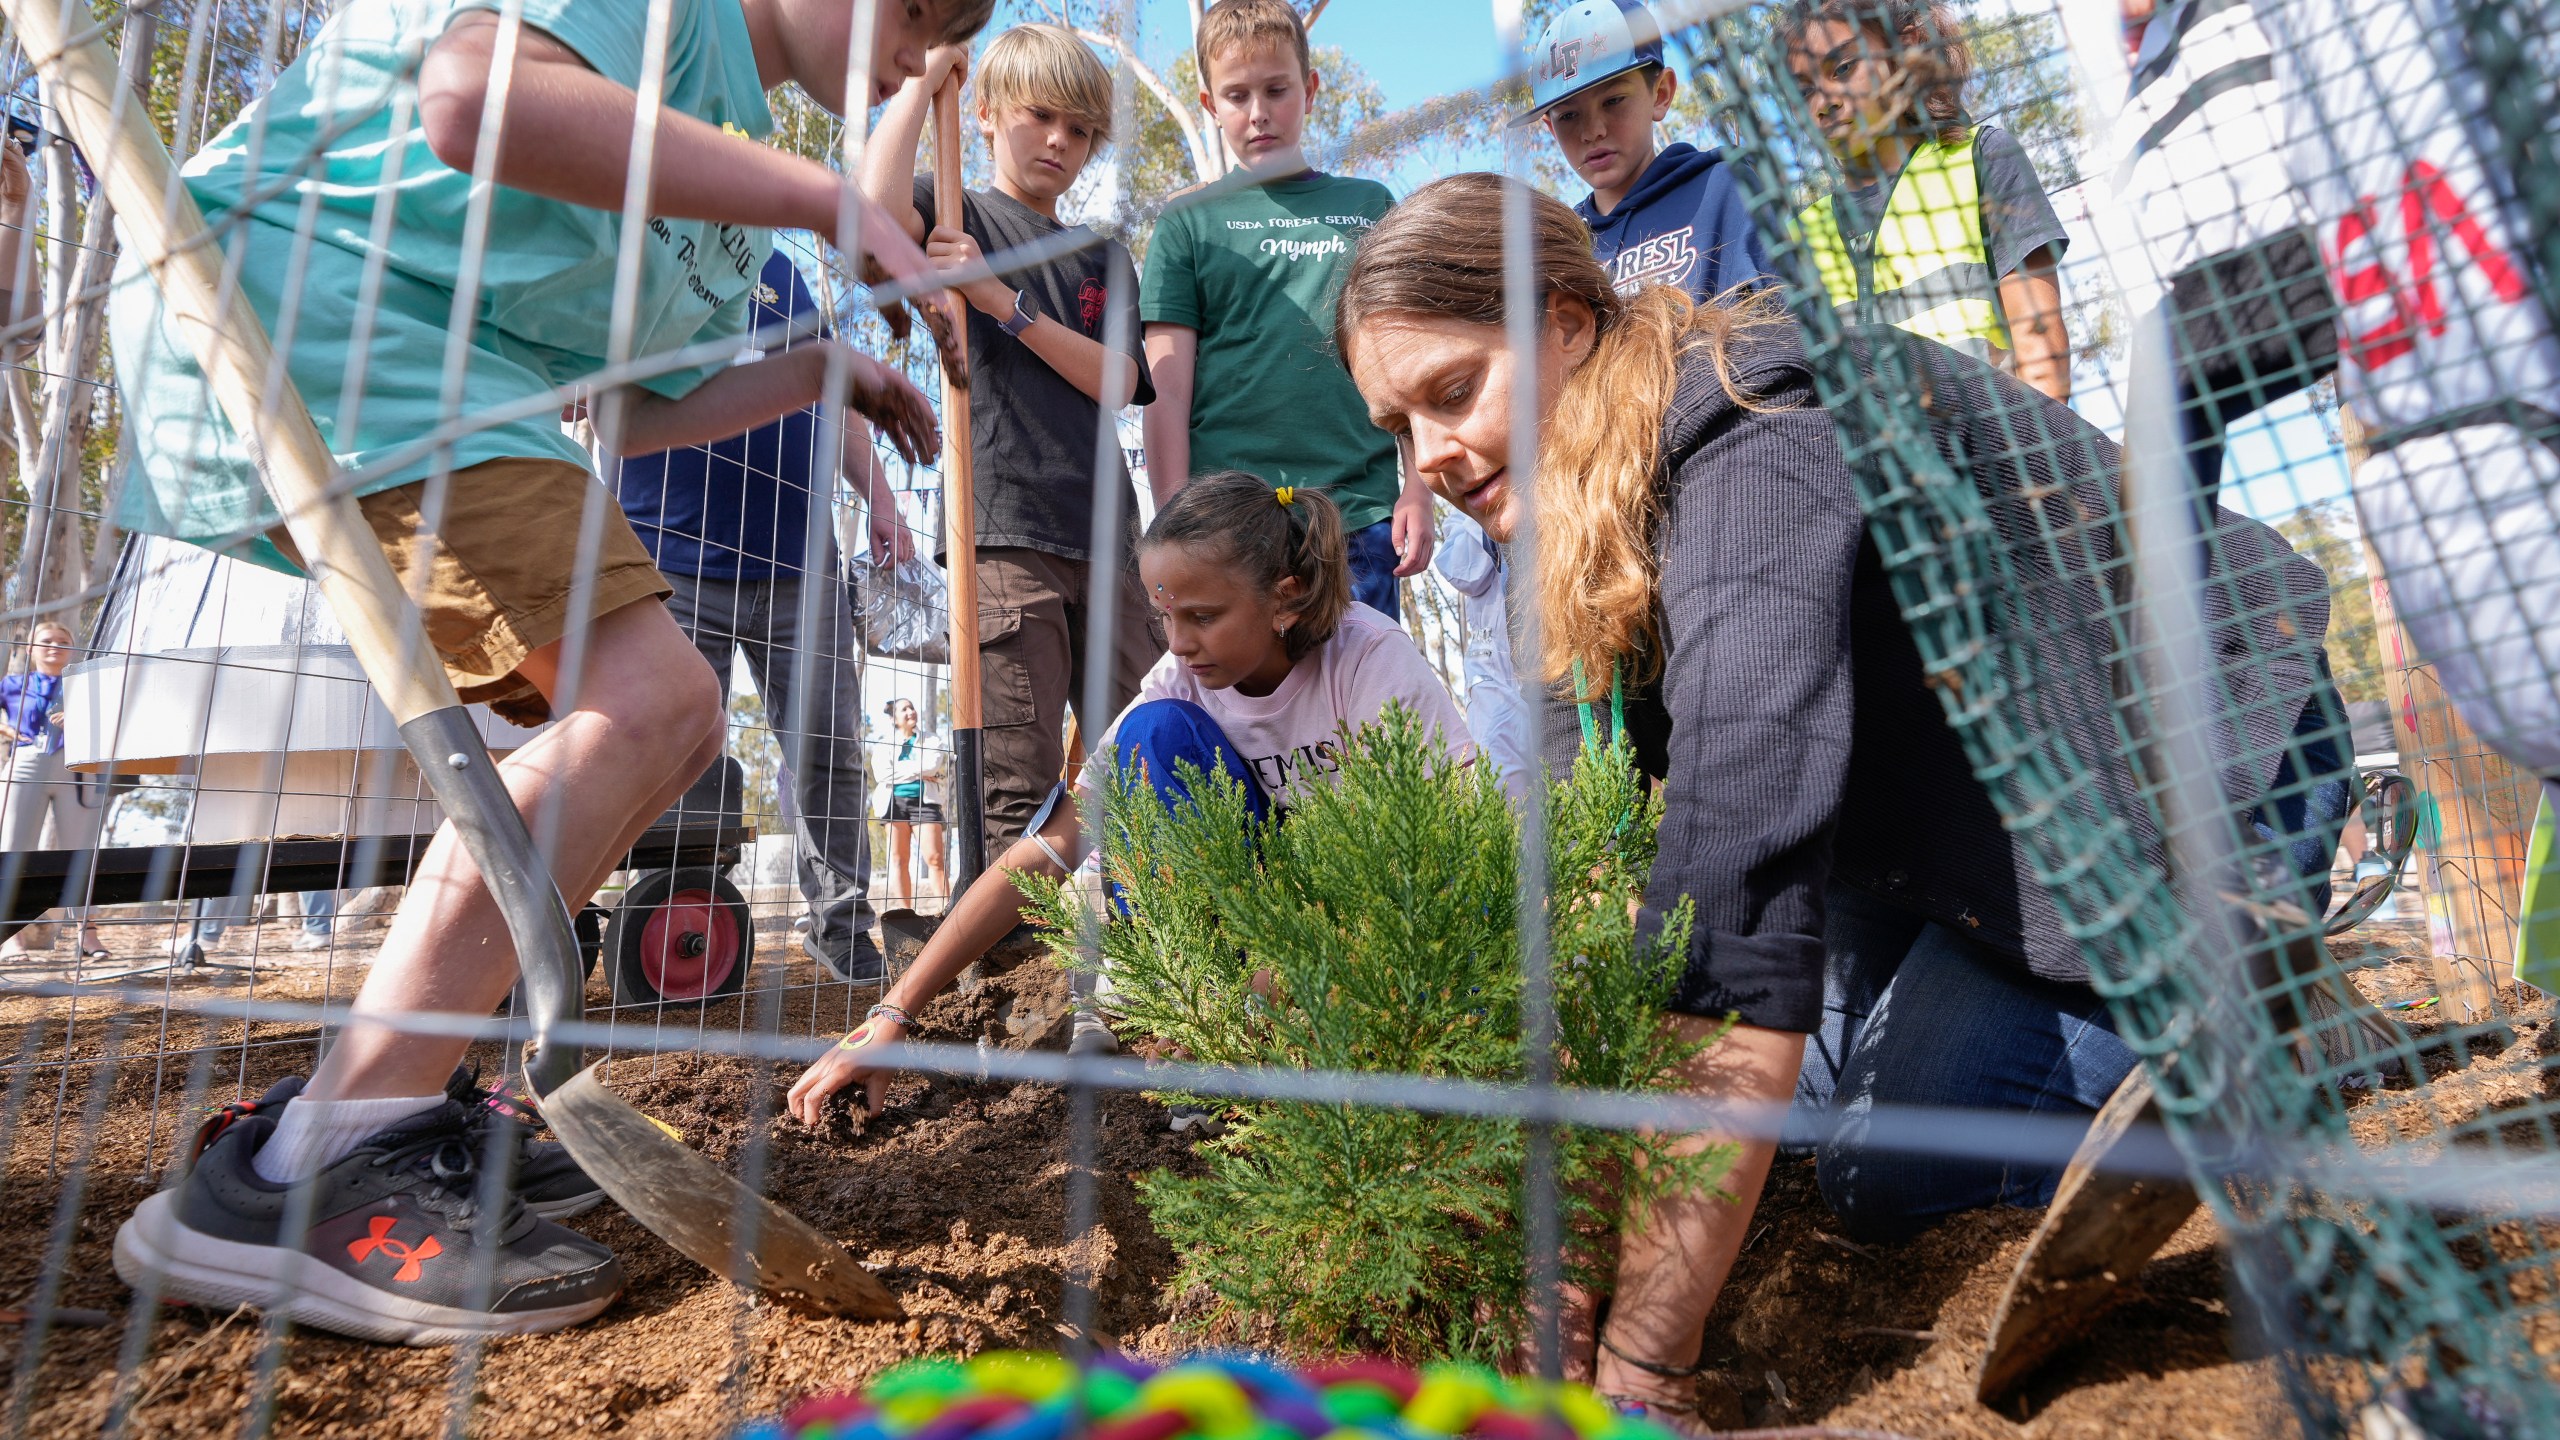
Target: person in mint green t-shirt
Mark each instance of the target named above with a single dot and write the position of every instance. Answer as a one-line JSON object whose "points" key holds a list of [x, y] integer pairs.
{"points": [[347, 197], [1238, 304]]}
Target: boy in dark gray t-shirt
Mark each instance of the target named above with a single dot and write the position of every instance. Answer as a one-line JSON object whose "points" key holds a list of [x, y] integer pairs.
{"points": [[1041, 379]]}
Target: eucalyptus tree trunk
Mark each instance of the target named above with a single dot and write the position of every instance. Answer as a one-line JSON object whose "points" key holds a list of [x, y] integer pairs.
{"points": [[1214, 140], [51, 429]]}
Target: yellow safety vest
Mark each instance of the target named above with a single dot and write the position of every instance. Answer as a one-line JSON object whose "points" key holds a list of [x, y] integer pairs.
{"points": [[1931, 270]]}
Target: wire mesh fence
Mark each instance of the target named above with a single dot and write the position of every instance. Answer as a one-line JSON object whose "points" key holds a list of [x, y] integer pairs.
{"points": [[2188, 366]]}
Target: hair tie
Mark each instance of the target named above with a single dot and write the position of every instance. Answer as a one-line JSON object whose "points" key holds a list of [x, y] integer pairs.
{"points": [[1286, 494]]}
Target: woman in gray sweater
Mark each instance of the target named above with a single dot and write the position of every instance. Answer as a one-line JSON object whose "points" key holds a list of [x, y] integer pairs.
{"points": [[1702, 553]]}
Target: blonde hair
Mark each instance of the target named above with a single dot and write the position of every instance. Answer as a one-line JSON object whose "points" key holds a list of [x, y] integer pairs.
{"points": [[1599, 492], [1233, 24], [24, 654], [1046, 65]]}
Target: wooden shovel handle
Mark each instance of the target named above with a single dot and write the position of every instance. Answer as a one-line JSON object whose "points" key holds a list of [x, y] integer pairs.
{"points": [[166, 230], [959, 492]]}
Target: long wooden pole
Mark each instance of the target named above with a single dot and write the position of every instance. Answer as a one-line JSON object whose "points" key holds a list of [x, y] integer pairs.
{"points": [[960, 531], [2474, 855]]}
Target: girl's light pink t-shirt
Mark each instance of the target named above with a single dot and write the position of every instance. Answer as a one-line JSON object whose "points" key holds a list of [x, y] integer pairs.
{"points": [[1293, 736]]}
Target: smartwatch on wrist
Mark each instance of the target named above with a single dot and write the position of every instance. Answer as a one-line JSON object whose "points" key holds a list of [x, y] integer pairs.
{"points": [[1025, 315]]}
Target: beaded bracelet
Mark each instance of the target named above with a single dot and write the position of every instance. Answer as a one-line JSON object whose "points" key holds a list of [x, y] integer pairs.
{"points": [[861, 1034]]}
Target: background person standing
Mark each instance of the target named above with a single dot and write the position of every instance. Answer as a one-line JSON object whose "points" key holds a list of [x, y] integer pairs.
{"points": [[729, 525], [39, 786], [1943, 221], [911, 765]]}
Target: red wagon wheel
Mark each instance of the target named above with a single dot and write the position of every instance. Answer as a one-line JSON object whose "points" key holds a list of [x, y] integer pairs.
{"points": [[680, 936]]}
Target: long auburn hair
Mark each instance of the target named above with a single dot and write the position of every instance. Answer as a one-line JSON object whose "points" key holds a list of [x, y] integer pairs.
{"points": [[1599, 488]]}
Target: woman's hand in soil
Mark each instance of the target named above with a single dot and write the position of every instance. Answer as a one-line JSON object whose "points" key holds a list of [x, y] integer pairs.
{"points": [[844, 1065]]}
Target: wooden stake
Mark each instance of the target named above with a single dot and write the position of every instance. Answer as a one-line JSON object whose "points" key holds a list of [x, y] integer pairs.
{"points": [[2475, 859]]}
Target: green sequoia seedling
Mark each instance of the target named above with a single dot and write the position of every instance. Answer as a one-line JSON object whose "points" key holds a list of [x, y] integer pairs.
{"points": [[1375, 929]]}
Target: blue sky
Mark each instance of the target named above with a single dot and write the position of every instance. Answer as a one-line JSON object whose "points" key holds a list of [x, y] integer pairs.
{"points": [[1414, 49], [2282, 459]]}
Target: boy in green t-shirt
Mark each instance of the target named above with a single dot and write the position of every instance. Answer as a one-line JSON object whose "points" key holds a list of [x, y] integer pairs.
{"points": [[1238, 300], [347, 195]]}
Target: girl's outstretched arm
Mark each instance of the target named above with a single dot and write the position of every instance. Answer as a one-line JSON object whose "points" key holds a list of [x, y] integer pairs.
{"points": [[990, 908]]}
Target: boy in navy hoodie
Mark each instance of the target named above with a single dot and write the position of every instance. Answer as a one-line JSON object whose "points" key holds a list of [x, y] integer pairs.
{"points": [[1673, 216]]}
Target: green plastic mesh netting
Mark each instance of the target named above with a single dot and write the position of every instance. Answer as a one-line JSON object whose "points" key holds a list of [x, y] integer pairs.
{"points": [[2320, 197]]}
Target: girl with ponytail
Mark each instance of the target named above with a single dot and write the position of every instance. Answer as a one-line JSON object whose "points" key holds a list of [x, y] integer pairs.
{"points": [[1700, 551], [1268, 664]]}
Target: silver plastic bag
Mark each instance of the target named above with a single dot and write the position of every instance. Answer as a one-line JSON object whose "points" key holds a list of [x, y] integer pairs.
{"points": [[902, 611]]}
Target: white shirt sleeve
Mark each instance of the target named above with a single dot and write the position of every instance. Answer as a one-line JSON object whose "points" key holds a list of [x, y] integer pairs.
{"points": [[1462, 558]]}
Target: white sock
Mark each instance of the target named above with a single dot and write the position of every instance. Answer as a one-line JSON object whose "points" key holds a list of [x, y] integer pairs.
{"points": [[315, 1134]]}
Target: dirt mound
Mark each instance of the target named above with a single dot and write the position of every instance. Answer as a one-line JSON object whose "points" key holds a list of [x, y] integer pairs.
{"points": [[956, 1194], [1816, 1328]]}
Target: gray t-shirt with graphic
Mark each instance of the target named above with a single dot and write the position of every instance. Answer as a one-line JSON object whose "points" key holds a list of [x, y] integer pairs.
{"points": [[1033, 437]]}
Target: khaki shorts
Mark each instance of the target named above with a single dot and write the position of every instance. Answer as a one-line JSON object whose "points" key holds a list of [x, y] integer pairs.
{"points": [[498, 585]]}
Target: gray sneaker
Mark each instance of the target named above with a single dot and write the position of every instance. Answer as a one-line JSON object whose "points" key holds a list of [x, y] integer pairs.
{"points": [[548, 1182], [862, 965], [546, 1179], [396, 1244], [271, 1105]]}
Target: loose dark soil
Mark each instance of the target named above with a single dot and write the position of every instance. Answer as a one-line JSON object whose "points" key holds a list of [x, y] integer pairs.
{"points": [[956, 1195]]}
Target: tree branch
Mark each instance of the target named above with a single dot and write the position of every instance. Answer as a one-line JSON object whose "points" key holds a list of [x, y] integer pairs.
{"points": [[1202, 166], [1393, 134], [1214, 142]]}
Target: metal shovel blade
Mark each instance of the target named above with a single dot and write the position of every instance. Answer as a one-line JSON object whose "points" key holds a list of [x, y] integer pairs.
{"points": [[713, 1220], [904, 932], [2103, 1227]]}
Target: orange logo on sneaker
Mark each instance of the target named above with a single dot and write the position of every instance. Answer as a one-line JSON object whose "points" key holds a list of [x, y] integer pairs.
{"points": [[412, 1259]]}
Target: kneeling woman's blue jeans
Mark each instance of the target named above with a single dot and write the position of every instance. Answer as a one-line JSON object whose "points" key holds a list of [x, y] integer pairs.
{"points": [[1914, 1013]]}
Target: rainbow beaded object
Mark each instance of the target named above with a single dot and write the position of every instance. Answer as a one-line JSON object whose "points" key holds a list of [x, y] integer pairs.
{"points": [[1024, 1395]]}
